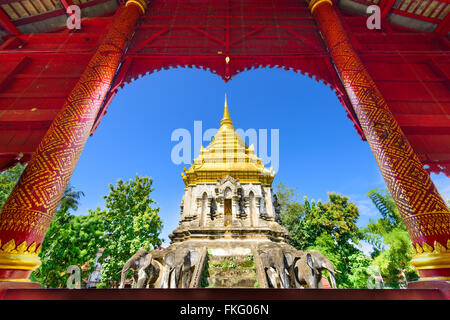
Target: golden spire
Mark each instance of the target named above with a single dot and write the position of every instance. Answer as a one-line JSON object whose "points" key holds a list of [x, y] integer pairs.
{"points": [[226, 120], [227, 154]]}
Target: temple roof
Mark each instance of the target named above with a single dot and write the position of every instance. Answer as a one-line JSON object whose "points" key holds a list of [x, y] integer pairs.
{"points": [[408, 58], [227, 154], [32, 16]]}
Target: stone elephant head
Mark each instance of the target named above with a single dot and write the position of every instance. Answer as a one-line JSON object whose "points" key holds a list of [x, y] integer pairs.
{"points": [[179, 266], [308, 269], [276, 265], [149, 276], [141, 259]]}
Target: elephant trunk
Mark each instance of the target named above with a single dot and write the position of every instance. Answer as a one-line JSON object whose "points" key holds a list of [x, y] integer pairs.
{"points": [[123, 277], [333, 280], [329, 266]]}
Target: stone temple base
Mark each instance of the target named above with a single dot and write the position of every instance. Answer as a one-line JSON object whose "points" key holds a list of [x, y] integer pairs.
{"points": [[272, 231], [232, 260]]}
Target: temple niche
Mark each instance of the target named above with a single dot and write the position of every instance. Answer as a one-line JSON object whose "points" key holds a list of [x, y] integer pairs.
{"points": [[229, 234]]}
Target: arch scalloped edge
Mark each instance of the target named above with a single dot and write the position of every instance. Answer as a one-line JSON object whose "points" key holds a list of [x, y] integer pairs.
{"points": [[437, 168], [239, 68], [287, 68], [128, 80]]}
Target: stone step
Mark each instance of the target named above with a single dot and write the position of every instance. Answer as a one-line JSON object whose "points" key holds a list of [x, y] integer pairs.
{"points": [[231, 272], [233, 283]]}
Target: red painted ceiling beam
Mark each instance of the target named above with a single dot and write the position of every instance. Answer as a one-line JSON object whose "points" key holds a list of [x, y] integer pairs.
{"points": [[66, 3], [7, 25], [444, 26], [386, 6], [58, 12]]}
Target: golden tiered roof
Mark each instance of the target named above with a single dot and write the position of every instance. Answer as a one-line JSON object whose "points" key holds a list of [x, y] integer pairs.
{"points": [[227, 155]]}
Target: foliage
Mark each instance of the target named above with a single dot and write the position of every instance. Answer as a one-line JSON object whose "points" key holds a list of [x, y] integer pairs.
{"points": [[70, 240], [129, 223], [8, 180], [70, 198], [395, 259], [346, 258], [329, 228], [306, 222], [204, 283], [390, 220], [392, 245]]}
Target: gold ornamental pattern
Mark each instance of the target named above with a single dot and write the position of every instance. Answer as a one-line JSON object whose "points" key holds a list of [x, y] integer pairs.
{"points": [[422, 208], [29, 209]]}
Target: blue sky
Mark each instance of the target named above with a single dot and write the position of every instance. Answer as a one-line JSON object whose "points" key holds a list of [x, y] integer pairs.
{"points": [[319, 150]]}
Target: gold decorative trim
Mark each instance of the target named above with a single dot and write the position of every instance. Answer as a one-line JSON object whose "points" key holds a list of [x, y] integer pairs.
{"points": [[227, 155], [14, 280], [23, 249], [428, 257], [19, 261], [418, 249], [435, 278], [313, 4], [141, 4], [427, 248], [21, 257], [439, 247]]}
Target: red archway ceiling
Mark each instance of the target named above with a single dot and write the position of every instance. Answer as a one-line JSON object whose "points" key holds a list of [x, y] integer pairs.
{"points": [[411, 68]]}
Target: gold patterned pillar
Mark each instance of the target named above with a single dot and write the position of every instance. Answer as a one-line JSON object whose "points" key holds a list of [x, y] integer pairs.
{"points": [[28, 211], [422, 208]]}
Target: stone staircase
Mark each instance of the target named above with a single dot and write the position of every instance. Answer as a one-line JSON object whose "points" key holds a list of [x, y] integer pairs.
{"points": [[229, 272]]}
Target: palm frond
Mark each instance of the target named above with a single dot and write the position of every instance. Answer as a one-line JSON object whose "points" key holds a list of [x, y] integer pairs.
{"points": [[383, 204]]}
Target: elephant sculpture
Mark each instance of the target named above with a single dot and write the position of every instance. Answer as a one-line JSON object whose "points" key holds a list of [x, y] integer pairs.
{"points": [[143, 267], [308, 270], [277, 264], [178, 268]]}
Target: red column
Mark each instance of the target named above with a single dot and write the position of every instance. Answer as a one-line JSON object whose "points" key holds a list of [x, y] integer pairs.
{"points": [[27, 213], [422, 208]]}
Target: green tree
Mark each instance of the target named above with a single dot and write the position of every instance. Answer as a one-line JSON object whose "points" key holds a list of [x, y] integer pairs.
{"points": [[393, 250], [70, 240], [329, 228], [8, 180], [129, 222]]}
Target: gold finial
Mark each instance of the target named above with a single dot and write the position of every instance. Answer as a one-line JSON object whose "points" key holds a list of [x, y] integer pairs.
{"points": [[226, 120]]}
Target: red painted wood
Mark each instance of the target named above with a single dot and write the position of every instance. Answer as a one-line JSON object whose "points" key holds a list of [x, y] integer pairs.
{"points": [[7, 25], [386, 6], [416, 16], [444, 26], [412, 69], [222, 294], [54, 13], [66, 3]]}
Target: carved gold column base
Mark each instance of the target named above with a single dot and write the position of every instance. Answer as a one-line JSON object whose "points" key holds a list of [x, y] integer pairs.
{"points": [[432, 262], [432, 266], [18, 262]]}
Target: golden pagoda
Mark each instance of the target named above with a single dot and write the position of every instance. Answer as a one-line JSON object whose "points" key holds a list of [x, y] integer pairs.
{"points": [[227, 155], [229, 216], [228, 186]]}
